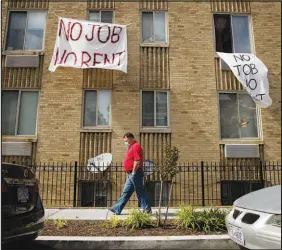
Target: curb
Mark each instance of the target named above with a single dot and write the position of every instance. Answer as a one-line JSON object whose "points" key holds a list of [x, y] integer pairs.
{"points": [[138, 242]]}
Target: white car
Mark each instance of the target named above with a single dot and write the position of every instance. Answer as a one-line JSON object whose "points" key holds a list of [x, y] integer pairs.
{"points": [[255, 220]]}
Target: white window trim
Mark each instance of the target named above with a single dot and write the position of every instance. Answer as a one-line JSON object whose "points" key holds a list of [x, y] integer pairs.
{"points": [[252, 44], [155, 104], [154, 43], [18, 111], [258, 114], [7, 30], [100, 13], [82, 113]]}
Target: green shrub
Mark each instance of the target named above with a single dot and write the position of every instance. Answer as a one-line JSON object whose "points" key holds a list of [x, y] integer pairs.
{"points": [[59, 223], [211, 221], [138, 219], [208, 220], [114, 222], [185, 218]]}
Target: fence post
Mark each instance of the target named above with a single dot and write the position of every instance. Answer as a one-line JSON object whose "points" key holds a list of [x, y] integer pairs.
{"points": [[261, 174], [203, 183], [74, 184]]}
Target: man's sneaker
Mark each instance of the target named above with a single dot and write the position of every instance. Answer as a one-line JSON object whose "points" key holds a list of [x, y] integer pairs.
{"points": [[113, 211]]}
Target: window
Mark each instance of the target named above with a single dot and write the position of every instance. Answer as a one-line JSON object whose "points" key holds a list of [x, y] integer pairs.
{"points": [[232, 33], [19, 112], [153, 190], [154, 109], [96, 108], [154, 27], [101, 16], [26, 30], [94, 193], [238, 116]]}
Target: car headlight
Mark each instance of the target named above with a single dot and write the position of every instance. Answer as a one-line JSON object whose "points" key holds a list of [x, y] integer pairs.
{"points": [[275, 220]]}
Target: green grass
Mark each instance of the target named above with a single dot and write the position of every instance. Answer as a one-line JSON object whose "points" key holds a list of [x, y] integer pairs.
{"points": [[208, 220]]}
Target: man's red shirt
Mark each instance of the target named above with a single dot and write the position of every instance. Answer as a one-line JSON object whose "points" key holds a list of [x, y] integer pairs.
{"points": [[134, 153]]}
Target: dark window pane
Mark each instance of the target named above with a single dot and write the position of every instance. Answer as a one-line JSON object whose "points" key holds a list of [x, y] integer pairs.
{"points": [[106, 16], [35, 30], [147, 27], [9, 111], [90, 101], [148, 108], [241, 34], [161, 109], [16, 31], [153, 191], [223, 35], [229, 116], [248, 117], [100, 194], [28, 113]]}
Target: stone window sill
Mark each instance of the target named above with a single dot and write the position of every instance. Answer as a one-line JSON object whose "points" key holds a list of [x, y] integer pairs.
{"points": [[155, 130]]}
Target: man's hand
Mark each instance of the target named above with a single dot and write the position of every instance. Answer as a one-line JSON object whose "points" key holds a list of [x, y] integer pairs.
{"points": [[135, 166]]}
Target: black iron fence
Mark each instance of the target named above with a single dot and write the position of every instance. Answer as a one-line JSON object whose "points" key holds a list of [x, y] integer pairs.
{"points": [[202, 184]]}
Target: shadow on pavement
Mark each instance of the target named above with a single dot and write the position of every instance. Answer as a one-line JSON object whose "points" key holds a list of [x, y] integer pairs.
{"points": [[19, 245]]}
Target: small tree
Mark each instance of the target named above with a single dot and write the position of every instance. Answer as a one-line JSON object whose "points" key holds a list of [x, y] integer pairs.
{"points": [[167, 172]]}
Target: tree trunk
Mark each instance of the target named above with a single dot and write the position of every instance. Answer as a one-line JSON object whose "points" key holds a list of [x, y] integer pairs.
{"points": [[160, 203], [170, 191]]}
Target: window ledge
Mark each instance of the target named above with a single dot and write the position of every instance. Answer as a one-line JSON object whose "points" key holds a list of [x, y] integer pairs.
{"points": [[155, 130], [164, 45], [101, 130], [241, 141], [22, 52], [19, 138]]}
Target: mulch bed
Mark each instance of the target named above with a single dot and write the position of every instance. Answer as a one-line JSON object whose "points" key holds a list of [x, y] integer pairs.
{"points": [[102, 228]]}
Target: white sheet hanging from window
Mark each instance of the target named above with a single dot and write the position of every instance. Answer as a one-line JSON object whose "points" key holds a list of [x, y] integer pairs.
{"points": [[86, 44], [251, 73]]}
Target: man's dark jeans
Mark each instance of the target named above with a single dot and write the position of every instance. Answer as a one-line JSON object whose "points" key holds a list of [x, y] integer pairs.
{"points": [[134, 182]]}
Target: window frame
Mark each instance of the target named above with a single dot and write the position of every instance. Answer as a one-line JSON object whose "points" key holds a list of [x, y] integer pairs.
{"points": [[155, 43], [258, 116], [101, 10], [7, 30], [252, 44], [155, 113], [83, 106], [18, 111]]}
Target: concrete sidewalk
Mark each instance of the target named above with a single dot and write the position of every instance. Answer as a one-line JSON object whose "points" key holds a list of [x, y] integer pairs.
{"points": [[91, 214], [96, 213]]}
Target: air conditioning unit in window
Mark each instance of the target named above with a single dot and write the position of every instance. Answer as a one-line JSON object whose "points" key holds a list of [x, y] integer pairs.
{"points": [[16, 148], [22, 61], [223, 65], [241, 151]]}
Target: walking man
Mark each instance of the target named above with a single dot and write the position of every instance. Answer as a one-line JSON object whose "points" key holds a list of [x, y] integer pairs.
{"points": [[133, 165]]}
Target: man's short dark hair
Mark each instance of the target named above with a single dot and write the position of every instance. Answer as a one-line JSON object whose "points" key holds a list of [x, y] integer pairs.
{"points": [[129, 135]]}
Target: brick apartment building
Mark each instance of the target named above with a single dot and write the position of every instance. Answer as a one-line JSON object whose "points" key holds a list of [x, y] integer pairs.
{"points": [[176, 90]]}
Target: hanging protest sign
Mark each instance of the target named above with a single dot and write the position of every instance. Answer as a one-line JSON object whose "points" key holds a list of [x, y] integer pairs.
{"points": [[85, 44], [251, 73]]}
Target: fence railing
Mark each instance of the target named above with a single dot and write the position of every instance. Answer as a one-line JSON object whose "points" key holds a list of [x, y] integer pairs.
{"points": [[201, 184]]}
